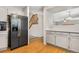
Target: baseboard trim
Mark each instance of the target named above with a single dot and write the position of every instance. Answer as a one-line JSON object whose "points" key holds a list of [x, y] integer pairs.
{"points": [[68, 51], [32, 37], [5, 48]]}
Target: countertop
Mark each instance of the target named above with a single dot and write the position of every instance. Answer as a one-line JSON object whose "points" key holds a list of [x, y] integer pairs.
{"points": [[64, 28]]}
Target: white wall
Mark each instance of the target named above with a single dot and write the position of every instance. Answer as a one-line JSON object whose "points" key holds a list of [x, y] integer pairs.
{"points": [[4, 12], [3, 17], [15, 10], [37, 29], [25, 11]]}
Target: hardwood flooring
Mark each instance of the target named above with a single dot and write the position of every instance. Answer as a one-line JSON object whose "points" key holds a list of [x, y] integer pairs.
{"points": [[37, 46]]}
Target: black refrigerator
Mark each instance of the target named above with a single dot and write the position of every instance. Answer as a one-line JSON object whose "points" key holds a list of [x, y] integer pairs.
{"points": [[18, 31]]}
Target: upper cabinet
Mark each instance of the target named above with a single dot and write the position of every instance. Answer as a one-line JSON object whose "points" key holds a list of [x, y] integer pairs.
{"points": [[3, 14], [74, 12], [60, 16]]}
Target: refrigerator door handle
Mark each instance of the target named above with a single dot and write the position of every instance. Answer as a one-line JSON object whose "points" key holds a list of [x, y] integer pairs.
{"points": [[19, 28]]}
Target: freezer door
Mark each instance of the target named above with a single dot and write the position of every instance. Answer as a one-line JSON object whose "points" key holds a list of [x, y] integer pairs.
{"points": [[24, 31]]}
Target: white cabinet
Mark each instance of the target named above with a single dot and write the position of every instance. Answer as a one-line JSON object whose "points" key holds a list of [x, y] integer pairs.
{"points": [[75, 12], [60, 16], [3, 41], [62, 39], [69, 41], [50, 37], [74, 42]]}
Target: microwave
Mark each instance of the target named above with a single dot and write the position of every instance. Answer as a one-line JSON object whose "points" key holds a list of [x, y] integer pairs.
{"points": [[2, 26]]}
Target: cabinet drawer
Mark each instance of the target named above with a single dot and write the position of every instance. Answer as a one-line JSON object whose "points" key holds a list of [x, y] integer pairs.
{"points": [[60, 33], [74, 35], [50, 32]]}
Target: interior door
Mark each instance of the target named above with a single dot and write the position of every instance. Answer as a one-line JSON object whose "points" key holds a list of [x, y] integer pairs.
{"points": [[24, 31]]}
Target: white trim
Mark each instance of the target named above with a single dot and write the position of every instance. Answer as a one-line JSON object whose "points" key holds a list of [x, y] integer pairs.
{"points": [[28, 22], [44, 33], [5, 48]]}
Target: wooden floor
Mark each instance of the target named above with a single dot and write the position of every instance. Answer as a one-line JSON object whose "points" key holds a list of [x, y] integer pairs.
{"points": [[36, 46]]}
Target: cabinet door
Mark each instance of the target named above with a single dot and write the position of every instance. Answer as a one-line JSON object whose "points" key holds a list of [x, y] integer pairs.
{"points": [[50, 37], [60, 16], [24, 31], [14, 40], [3, 42], [74, 43], [62, 39]]}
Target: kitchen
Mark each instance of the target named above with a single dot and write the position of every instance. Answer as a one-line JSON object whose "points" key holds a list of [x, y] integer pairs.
{"points": [[61, 27], [56, 26], [12, 22], [41, 29]]}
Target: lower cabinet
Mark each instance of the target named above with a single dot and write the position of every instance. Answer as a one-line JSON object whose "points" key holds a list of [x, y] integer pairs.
{"points": [[50, 37], [74, 42], [69, 41], [3, 42], [62, 40]]}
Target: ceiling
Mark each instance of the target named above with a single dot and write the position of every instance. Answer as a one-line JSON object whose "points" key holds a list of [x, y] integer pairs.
{"points": [[36, 8], [21, 7], [60, 8], [32, 8], [52, 9]]}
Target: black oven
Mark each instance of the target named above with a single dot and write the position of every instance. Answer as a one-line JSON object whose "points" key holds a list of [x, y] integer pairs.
{"points": [[2, 26]]}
